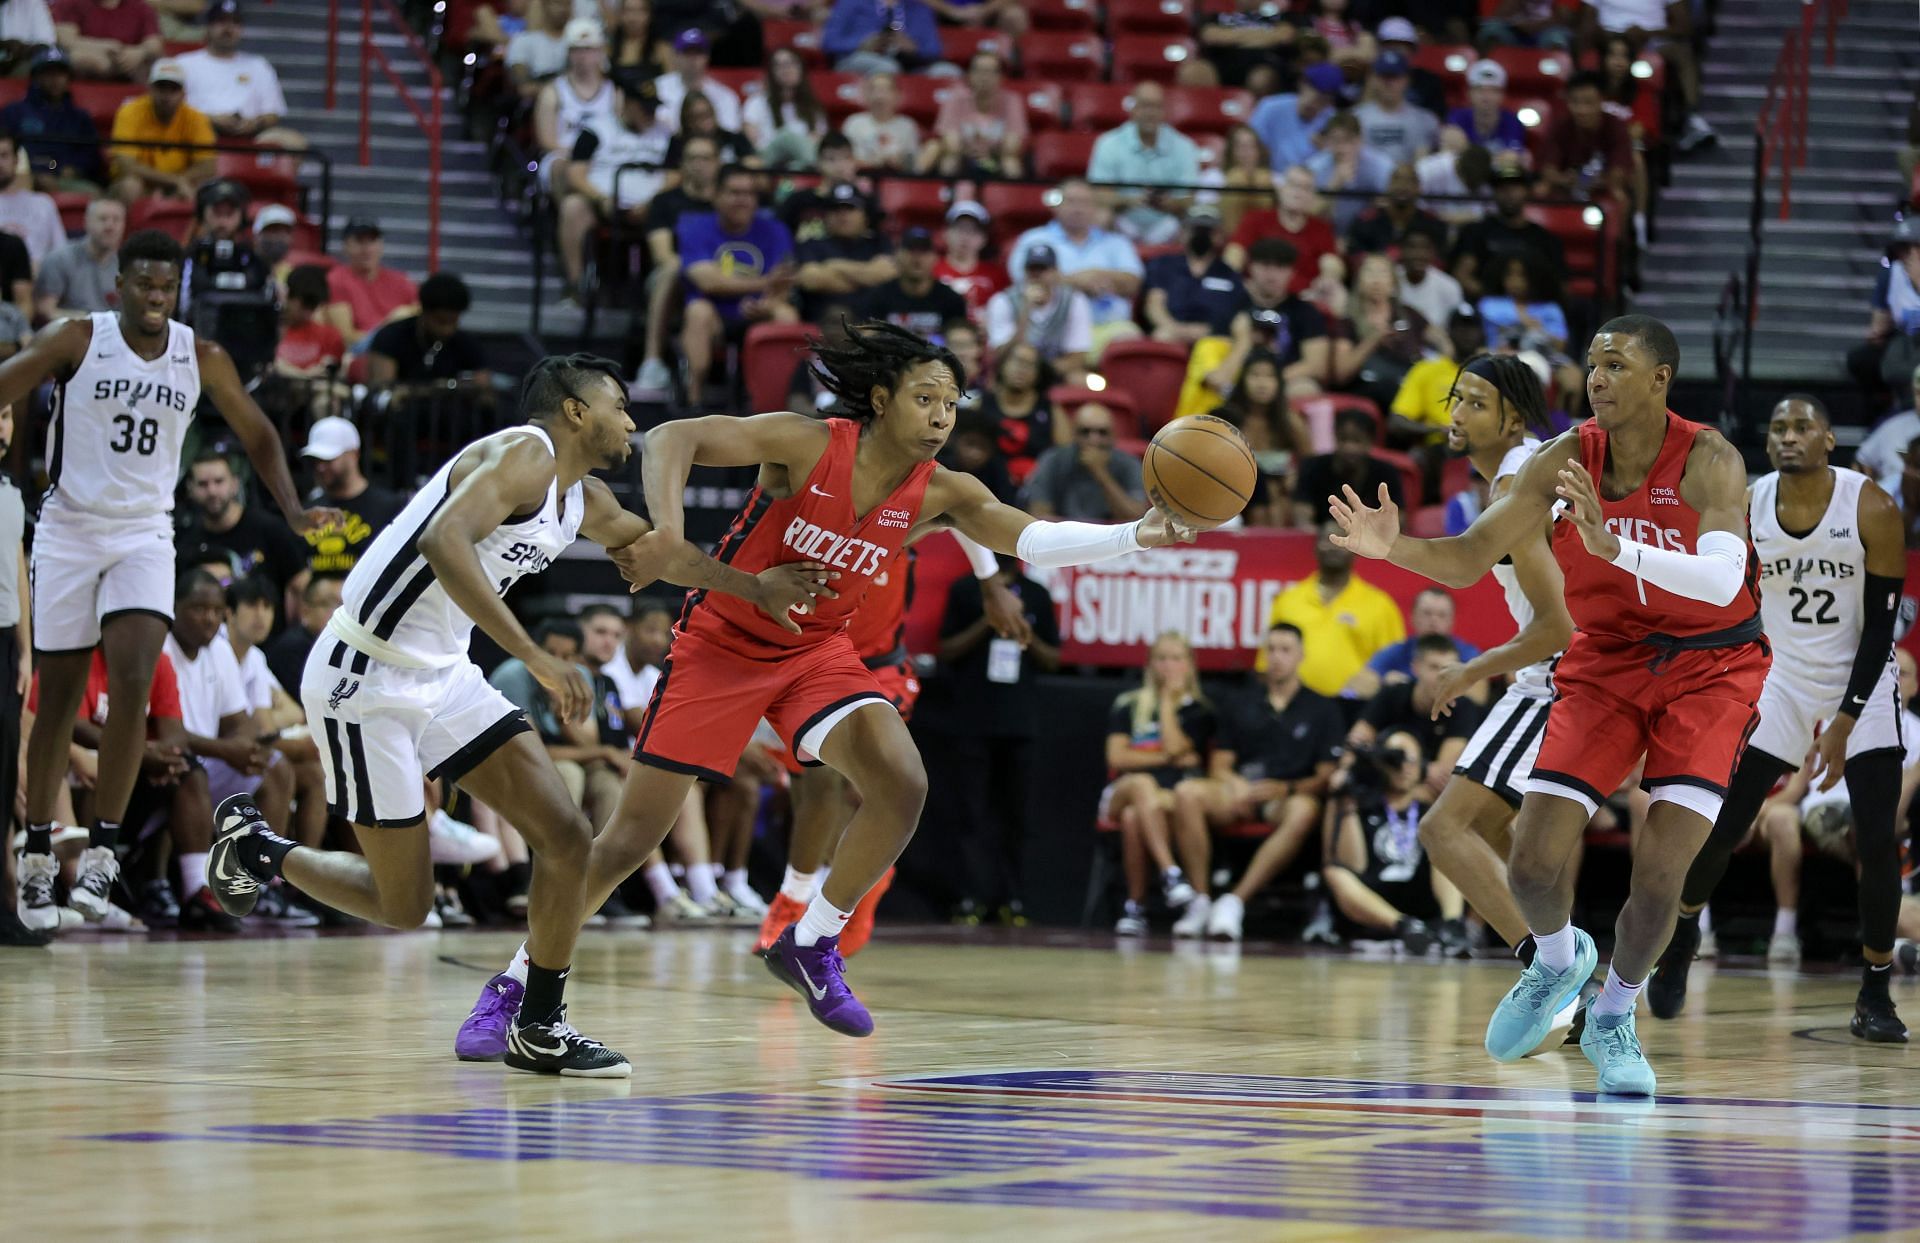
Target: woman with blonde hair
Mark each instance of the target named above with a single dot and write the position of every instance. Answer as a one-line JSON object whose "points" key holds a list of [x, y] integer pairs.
{"points": [[1157, 736]]}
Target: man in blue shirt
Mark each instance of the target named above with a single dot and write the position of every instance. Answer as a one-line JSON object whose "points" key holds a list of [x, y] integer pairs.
{"points": [[1348, 171], [1486, 120], [1098, 262], [738, 265], [1137, 157], [872, 36], [1194, 294], [1288, 124], [1432, 613], [60, 138]]}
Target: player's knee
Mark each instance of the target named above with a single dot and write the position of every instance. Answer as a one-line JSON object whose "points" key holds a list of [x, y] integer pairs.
{"points": [[1531, 874], [407, 910], [1440, 831]]}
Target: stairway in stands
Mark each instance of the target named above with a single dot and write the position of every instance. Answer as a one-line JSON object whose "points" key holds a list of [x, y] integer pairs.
{"points": [[478, 242], [1818, 267]]}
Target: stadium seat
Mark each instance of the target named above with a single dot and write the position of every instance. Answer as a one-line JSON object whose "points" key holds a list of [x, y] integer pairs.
{"points": [[1651, 70], [1148, 17], [1449, 61], [1095, 107], [1052, 15], [171, 216], [268, 178], [1046, 106], [921, 96], [1197, 110], [1015, 208], [1428, 522], [12, 90], [1586, 235], [1320, 412], [1150, 58], [101, 100], [838, 93], [1412, 481], [767, 361], [1065, 153], [73, 210], [1067, 399], [1456, 476], [802, 37], [1535, 114], [745, 82], [1150, 373], [1533, 71], [958, 44], [1063, 55], [908, 204]]}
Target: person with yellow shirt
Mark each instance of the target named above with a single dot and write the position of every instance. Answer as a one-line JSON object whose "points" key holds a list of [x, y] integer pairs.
{"points": [[141, 167], [1343, 618]]}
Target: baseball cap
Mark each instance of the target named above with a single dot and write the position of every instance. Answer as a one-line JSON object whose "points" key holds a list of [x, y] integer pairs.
{"points": [[583, 32], [229, 9], [692, 39], [1041, 256], [224, 190], [1506, 172], [637, 88], [1486, 73], [1325, 78], [330, 437], [272, 215], [846, 194], [1390, 65], [969, 210], [1398, 30], [51, 58], [1203, 213], [916, 238], [361, 226], [167, 69]]}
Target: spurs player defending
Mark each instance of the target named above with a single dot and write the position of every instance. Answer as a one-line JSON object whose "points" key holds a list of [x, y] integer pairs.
{"points": [[847, 492], [126, 385], [1667, 661], [1497, 402], [1832, 561], [396, 701]]}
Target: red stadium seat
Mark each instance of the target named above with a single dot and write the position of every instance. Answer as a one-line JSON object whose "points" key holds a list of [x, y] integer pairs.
{"points": [[73, 210], [1096, 107], [958, 44], [12, 90], [1197, 110], [1449, 61], [101, 100], [1651, 71], [1063, 154], [1068, 398], [1412, 481], [1046, 106], [920, 97], [1062, 55], [1062, 15], [1534, 71], [768, 359], [1456, 476], [838, 93], [1148, 17], [802, 37], [171, 216], [1587, 238], [268, 178], [908, 204], [744, 82], [304, 258], [1149, 372], [1015, 208], [1150, 58]]}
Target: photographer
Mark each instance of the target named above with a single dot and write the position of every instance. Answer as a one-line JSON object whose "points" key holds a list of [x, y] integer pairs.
{"points": [[1379, 876], [226, 290], [1406, 709]]}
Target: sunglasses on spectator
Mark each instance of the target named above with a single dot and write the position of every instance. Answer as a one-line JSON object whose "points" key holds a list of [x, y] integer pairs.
{"points": [[1093, 431]]}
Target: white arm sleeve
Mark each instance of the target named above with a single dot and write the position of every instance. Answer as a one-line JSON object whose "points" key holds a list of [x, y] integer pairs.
{"points": [[1054, 544], [1713, 574], [979, 556]]}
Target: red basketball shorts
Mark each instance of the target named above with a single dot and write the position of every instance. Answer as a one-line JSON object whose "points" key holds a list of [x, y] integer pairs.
{"points": [[899, 685], [1691, 720], [710, 699]]}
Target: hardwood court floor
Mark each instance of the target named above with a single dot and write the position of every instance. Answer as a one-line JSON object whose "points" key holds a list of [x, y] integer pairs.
{"points": [[304, 1088]]}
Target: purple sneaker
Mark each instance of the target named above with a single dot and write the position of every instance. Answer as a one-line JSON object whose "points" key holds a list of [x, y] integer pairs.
{"points": [[483, 1037], [818, 973]]}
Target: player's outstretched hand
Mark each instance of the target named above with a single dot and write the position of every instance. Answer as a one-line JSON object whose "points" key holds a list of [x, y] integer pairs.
{"points": [[792, 588], [1160, 528], [1583, 507], [1004, 611], [565, 684], [319, 516], [1365, 530]]}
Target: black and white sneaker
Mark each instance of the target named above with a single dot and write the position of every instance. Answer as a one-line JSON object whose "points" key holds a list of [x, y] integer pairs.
{"points": [[236, 888], [92, 890], [556, 1049], [38, 911]]}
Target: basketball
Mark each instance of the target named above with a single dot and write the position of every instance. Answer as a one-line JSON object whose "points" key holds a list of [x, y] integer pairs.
{"points": [[1200, 470]]}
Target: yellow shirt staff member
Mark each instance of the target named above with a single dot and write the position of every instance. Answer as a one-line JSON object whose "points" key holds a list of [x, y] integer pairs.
{"points": [[1343, 620], [162, 115]]}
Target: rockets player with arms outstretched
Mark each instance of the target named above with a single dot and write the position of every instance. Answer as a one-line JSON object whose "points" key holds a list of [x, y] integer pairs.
{"points": [[845, 492], [1668, 660]]}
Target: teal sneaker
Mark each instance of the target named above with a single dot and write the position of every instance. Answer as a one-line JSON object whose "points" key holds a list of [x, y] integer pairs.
{"points": [[1611, 1045], [1526, 1014]]}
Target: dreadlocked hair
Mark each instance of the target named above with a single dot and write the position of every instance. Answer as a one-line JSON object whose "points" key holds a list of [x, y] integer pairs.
{"points": [[875, 354], [1516, 383]]}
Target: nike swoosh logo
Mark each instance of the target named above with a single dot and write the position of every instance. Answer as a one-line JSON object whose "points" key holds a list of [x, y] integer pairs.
{"points": [[558, 1050], [819, 994], [815, 489]]}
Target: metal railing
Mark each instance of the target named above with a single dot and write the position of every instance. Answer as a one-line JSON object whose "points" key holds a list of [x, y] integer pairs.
{"points": [[428, 119]]}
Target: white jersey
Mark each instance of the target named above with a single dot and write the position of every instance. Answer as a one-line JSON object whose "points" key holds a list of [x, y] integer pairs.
{"points": [[118, 424], [572, 113], [1812, 586], [1537, 678], [391, 607]]}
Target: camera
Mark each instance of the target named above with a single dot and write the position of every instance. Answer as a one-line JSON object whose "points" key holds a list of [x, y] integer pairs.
{"points": [[1373, 766]]}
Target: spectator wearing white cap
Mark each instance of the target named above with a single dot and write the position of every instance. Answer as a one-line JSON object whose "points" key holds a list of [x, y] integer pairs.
{"points": [[1486, 120], [333, 448], [108, 38], [691, 54], [162, 144], [579, 101], [273, 240], [1425, 88], [539, 52], [964, 268], [239, 91], [79, 277]]}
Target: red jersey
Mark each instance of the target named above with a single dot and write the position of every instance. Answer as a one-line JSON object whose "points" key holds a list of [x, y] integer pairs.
{"points": [[985, 280], [878, 628], [163, 701], [1606, 601], [816, 523]]}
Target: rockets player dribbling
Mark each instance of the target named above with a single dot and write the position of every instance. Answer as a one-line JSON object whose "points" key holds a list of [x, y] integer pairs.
{"points": [[845, 492]]}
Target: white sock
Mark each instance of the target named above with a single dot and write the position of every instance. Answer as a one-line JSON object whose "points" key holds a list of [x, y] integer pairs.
{"points": [[517, 969], [1706, 920], [823, 919], [1555, 950], [660, 880], [735, 879], [1786, 923], [700, 885], [193, 873], [719, 873], [820, 878], [1617, 997], [798, 886]]}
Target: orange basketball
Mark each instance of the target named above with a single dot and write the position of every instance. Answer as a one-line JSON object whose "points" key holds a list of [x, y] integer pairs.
{"points": [[1200, 470]]}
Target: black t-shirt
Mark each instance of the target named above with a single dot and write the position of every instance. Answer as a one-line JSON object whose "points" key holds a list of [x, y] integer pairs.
{"points": [[926, 313], [1212, 298], [1394, 855], [417, 359], [1285, 744], [734, 148], [15, 264], [1322, 475], [1023, 439], [805, 212], [826, 249], [1489, 241], [1286, 326], [260, 543], [1392, 710], [286, 655], [1374, 230], [665, 210], [336, 547], [973, 703], [1196, 722]]}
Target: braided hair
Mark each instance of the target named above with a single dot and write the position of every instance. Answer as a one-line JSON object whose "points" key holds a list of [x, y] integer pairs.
{"points": [[875, 354], [1517, 385]]}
